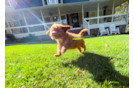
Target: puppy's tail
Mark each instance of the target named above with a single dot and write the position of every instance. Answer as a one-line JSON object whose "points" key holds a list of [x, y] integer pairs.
{"points": [[82, 32]]}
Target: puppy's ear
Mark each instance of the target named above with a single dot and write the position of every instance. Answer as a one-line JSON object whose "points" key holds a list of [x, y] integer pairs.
{"points": [[66, 27], [48, 32]]}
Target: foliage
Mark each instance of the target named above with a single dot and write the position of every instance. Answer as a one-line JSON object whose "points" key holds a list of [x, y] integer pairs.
{"points": [[127, 28], [10, 37], [105, 64], [25, 39], [122, 8], [29, 38], [32, 37]]}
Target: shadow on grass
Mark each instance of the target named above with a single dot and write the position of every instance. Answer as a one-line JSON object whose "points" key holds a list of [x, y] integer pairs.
{"points": [[100, 67]]}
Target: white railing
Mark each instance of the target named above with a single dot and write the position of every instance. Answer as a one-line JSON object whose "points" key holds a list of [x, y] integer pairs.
{"points": [[86, 25], [99, 19], [104, 16], [37, 33], [26, 34], [32, 25]]}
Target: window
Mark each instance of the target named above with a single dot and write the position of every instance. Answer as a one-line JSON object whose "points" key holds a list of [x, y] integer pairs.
{"points": [[101, 20], [101, 13], [93, 21], [24, 30], [34, 20], [92, 14], [36, 28], [7, 3], [16, 23], [47, 19], [55, 18], [19, 30], [63, 17], [10, 24], [63, 20], [22, 22], [48, 26]]}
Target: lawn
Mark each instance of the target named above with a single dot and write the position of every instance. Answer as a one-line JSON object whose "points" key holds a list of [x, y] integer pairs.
{"points": [[105, 64]]}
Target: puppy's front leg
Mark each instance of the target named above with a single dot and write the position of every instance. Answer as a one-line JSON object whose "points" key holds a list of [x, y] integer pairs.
{"points": [[63, 50], [58, 52], [58, 49]]}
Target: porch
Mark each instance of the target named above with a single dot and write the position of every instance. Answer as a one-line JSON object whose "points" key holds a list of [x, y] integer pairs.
{"points": [[93, 23], [88, 15]]}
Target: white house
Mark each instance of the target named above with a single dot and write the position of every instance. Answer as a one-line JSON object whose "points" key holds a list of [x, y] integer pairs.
{"points": [[24, 17]]}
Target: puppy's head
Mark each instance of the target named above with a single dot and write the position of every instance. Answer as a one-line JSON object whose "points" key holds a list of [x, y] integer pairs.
{"points": [[57, 31]]}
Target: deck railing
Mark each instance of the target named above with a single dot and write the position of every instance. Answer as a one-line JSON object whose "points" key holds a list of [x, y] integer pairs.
{"points": [[94, 22], [25, 30], [86, 25], [116, 15]]}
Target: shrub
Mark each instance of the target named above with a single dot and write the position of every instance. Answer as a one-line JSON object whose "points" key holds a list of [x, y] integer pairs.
{"points": [[25, 39], [30, 38], [8, 42], [10, 37], [127, 28]]}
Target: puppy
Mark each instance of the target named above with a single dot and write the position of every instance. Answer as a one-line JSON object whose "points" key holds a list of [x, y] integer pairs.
{"points": [[65, 39]]}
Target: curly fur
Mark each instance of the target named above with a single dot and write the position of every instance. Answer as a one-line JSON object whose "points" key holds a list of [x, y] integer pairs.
{"points": [[65, 39]]}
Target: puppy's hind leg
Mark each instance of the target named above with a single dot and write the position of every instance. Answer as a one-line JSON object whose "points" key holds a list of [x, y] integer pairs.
{"points": [[84, 48], [79, 49]]}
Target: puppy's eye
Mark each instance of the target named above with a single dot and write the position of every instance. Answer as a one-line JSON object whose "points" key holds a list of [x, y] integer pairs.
{"points": [[57, 30]]}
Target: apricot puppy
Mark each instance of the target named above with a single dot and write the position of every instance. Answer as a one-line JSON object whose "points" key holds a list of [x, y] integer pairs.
{"points": [[65, 39]]}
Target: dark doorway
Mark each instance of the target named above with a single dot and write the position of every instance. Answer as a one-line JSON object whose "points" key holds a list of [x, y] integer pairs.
{"points": [[75, 20], [68, 19]]}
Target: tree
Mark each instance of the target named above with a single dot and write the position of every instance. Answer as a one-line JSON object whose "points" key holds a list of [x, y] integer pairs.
{"points": [[122, 8]]}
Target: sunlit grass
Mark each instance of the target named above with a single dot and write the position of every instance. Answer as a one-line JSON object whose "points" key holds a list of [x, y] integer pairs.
{"points": [[105, 64]]}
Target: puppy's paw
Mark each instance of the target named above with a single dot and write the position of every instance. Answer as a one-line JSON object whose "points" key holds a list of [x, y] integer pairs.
{"points": [[63, 50], [79, 52], [56, 55]]}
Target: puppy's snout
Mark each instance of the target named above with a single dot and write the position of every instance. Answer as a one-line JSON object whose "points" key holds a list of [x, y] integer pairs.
{"points": [[53, 32]]}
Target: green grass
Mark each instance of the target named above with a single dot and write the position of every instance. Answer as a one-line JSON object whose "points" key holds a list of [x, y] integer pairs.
{"points": [[105, 64]]}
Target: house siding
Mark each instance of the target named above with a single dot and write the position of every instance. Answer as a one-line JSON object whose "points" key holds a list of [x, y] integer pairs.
{"points": [[72, 1]]}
